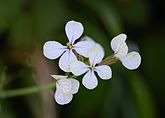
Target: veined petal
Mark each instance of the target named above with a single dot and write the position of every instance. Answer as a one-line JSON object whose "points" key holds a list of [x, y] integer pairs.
{"points": [[89, 80], [66, 59], [104, 72], [75, 85], [53, 49], [78, 68], [132, 60], [119, 45], [83, 47], [95, 49], [62, 98], [57, 77], [64, 86], [122, 50], [96, 54], [118, 40], [73, 30]]}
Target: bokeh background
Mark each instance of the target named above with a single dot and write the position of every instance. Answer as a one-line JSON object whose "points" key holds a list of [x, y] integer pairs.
{"points": [[26, 24]]}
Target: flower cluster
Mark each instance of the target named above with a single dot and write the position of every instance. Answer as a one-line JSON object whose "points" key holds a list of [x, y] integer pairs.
{"points": [[85, 57]]}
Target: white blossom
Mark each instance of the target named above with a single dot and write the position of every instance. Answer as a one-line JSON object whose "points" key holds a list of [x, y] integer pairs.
{"points": [[90, 80], [130, 60], [65, 88], [53, 49]]}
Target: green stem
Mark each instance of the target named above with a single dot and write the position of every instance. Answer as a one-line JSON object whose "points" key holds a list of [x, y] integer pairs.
{"points": [[109, 60], [25, 91]]}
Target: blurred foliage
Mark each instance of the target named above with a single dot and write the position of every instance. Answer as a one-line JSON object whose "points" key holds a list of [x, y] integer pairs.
{"points": [[26, 24]]}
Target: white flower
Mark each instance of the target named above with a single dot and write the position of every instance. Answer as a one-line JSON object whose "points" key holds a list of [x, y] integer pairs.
{"points": [[65, 88], [130, 60], [89, 80], [53, 49]]}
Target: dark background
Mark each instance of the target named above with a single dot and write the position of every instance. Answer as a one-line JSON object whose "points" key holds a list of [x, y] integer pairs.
{"points": [[25, 25]]}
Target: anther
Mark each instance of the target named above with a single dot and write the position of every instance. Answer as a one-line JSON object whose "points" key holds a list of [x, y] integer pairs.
{"points": [[69, 45]]}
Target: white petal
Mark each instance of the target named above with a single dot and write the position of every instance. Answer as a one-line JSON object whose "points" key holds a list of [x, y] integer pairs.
{"points": [[122, 51], [83, 47], [104, 72], [62, 98], [75, 85], [53, 49], [78, 68], [119, 45], [95, 49], [89, 80], [96, 54], [132, 60], [86, 38], [117, 40], [64, 85], [57, 77], [66, 59], [73, 30]]}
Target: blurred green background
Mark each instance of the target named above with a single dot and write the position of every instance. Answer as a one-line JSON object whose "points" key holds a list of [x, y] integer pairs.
{"points": [[26, 24]]}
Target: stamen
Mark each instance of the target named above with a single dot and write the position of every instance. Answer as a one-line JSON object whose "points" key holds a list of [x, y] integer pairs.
{"points": [[91, 67], [69, 45]]}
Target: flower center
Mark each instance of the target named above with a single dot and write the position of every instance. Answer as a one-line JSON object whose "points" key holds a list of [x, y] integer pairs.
{"points": [[91, 67], [69, 45]]}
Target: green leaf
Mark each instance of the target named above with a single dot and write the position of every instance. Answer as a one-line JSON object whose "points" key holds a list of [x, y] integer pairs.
{"points": [[9, 9], [142, 97], [48, 16], [22, 31], [110, 19], [2, 79]]}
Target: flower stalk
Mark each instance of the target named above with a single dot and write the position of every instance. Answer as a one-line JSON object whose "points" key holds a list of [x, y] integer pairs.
{"points": [[109, 60]]}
